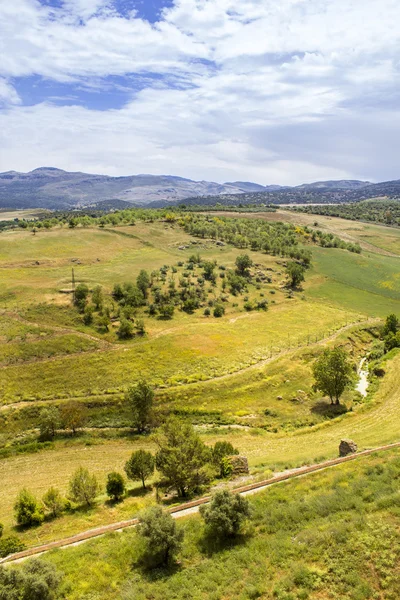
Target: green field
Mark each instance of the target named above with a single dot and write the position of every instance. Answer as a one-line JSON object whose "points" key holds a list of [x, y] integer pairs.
{"points": [[333, 534], [245, 377]]}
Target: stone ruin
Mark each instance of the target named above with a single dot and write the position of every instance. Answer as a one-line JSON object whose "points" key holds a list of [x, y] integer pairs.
{"points": [[347, 447]]}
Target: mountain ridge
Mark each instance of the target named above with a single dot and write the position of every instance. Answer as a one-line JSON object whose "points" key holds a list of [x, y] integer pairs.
{"points": [[53, 188]]}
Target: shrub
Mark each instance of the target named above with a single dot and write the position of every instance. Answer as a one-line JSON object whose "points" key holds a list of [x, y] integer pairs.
{"points": [[140, 466], [27, 510], [83, 487], [125, 330], [10, 545], [219, 311], [162, 539], [53, 502], [35, 580], [225, 514], [219, 452], [115, 487], [49, 422]]}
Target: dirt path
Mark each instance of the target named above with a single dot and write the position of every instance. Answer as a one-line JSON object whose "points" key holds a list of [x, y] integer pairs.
{"points": [[190, 508]]}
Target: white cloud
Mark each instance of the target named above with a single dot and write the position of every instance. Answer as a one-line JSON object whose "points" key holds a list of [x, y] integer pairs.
{"points": [[267, 87]]}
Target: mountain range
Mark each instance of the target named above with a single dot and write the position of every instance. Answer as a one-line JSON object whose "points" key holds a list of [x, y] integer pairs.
{"points": [[47, 187]]}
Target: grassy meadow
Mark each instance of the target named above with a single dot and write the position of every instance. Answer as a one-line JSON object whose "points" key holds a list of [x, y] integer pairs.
{"points": [[334, 534], [245, 377]]}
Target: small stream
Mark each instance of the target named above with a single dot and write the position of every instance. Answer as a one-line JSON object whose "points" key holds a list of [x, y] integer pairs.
{"points": [[362, 373]]}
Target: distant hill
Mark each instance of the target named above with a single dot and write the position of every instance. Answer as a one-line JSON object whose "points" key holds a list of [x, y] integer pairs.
{"points": [[56, 189]]}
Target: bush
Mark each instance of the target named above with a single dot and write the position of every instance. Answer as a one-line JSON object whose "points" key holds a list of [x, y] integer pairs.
{"points": [[10, 545], [161, 537], [35, 580], [125, 330], [225, 514], [49, 422], [27, 510], [115, 487], [219, 452], [140, 466], [207, 312], [219, 311], [53, 502], [83, 487]]}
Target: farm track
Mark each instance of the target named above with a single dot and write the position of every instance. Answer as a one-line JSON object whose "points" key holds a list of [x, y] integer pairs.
{"points": [[189, 508], [256, 365]]}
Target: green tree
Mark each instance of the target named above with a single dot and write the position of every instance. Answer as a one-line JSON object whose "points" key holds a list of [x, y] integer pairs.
{"points": [[49, 422], [80, 296], [225, 514], [208, 270], [27, 510], [9, 545], [97, 297], [181, 455], [166, 311], [243, 263], [162, 539], [391, 325], [34, 580], [115, 486], [219, 452], [140, 466], [53, 502], [1, 529], [83, 487], [140, 398], [73, 415], [295, 273], [143, 282], [333, 373], [219, 311], [125, 330], [88, 315]]}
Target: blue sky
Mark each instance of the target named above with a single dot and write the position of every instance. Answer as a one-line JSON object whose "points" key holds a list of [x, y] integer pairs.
{"points": [[273, 92]]}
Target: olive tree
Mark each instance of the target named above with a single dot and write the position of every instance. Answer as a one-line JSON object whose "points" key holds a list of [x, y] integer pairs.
{"points": [[161, 537]]}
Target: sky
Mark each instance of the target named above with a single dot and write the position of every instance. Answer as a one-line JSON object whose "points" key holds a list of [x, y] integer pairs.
{"points": [[270, 91]]}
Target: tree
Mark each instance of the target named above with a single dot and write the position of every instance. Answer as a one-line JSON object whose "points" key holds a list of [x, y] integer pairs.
{"points": [[181, 455], [295, 273], [97, 297], [333, 373], [1, 529], [83, 487], [219, 311], [115, 487], [49, 422], [219, 452], [391, 325], [141, 399], [53, 502], [225, 514], [73, 415], [243, 263], [35, 580], [162, 539], [80, 296], [140, 466], [166, 311], [143, 282], [125, 330], [27, 510], [208, 270], [88, 315]]}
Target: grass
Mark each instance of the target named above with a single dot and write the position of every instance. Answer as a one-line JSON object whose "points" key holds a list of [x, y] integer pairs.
{"points": [[59, 358], [370, 425], [333, 534]]}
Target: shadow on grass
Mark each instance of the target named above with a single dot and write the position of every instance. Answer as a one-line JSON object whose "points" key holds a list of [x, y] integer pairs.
{"points": [[139, 492], [153, 574], [209, 544], [327, 410]]}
